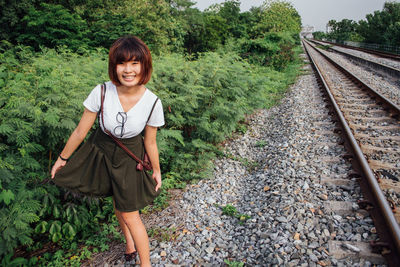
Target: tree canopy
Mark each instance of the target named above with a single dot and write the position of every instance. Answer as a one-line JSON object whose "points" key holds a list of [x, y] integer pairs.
{"points": [[278, 16], [380, 27], [165, 25]]}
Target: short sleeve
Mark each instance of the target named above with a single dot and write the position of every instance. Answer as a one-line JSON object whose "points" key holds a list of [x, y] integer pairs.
{"points": [[157, 118], [92, 102]]}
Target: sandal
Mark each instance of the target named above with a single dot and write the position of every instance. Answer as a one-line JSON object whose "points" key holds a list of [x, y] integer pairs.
{"points": [[130, 256]]}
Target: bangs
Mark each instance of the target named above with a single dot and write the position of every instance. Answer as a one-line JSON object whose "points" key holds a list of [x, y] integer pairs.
{"points": [[127, 52]]}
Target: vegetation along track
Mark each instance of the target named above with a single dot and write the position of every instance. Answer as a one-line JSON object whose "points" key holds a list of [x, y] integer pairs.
{"points": [[371, 123]]}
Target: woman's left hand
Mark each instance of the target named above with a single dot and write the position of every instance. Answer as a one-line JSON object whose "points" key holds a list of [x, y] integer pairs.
{"points": [[157, 178]]}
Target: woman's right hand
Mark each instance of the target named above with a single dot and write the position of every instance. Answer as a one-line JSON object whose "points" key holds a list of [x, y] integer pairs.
{"points": [[57, 166]]}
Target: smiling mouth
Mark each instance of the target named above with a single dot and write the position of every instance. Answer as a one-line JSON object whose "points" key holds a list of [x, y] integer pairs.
{"points": [[129, 77]]}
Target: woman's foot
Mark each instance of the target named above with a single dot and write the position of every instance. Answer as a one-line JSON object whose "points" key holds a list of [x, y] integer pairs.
{"points": [[130, 258]]}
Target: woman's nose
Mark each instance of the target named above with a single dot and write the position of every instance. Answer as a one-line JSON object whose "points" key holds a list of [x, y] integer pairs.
{"points": [[128, 68]]}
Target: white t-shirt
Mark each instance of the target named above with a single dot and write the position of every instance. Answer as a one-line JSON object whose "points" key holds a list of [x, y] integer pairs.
{"points": [[119, 123]]}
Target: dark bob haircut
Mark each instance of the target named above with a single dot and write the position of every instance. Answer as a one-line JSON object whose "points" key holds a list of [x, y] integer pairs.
{"points": [[129, 48]]}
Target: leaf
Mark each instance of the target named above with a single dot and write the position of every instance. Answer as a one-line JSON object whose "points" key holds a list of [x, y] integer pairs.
{"points": [[174, 134], [68, 230], [21, 225], [56, 212], [25, 240], [30, 217], [19, 262], [56, 236], [6, 129], [6, 196], [55, 227], [41, 227]]}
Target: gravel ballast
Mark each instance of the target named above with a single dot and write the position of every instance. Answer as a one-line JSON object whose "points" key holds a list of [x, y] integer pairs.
{"points": [[273, 198], [274, 177]]}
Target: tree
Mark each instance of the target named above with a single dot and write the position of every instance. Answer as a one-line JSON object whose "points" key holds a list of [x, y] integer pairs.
{"points": [[250, 19], [53, 26], [278, 16], [195, 31], [319, 35], [215, 31], [153, 23], [93, 23], [230, 11], [346, 29], [12, 12], [210, 29], [180, 5], [382, 26], [331, 25]]}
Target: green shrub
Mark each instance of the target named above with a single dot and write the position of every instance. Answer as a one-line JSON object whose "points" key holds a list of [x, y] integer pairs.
{"points": [[275, 49], [41, 101]]}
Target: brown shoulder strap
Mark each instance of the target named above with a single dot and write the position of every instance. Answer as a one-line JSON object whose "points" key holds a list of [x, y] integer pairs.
{"points": [[151, 112], [103, 95]]}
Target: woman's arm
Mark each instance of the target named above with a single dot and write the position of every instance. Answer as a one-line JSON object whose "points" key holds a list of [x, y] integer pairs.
{"points": [[150, 145], [76, 138]]}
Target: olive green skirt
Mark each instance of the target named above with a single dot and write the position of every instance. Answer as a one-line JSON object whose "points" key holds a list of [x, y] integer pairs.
{"points": [[100, 168]]}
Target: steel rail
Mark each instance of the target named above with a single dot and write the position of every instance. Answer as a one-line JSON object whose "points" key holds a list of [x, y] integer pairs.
{"points": [[378, 196]]}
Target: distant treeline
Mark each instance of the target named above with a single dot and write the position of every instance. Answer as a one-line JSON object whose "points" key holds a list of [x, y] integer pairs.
{"points": [[165, 25], [381, 27]]}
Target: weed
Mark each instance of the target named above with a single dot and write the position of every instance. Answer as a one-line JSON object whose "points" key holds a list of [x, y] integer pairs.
{"points": [[230, 210], [231, 156], [324, 47], [163, 234], [261, 143], [159, 203], [251, 165], [234, 263], [241, 128]]}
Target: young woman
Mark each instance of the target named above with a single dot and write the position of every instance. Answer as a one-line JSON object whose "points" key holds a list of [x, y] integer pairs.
{"points": [[101, 167]]}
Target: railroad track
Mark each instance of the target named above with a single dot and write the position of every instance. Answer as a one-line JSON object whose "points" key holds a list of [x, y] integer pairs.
{"points": [[387, 67], [369, 51], [371, 126]]}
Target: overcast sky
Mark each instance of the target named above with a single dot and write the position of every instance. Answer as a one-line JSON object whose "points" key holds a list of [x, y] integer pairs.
{"points": [[317, 12]]}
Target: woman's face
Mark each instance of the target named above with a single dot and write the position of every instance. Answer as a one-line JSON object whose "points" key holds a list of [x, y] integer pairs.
{"points": [[128, 73]]}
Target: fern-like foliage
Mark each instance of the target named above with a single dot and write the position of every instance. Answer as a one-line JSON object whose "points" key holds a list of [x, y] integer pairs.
{"points": [[41, 100], [16, 218]]}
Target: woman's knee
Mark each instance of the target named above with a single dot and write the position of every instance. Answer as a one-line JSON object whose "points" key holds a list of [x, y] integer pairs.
{"points": [[131, 217]]}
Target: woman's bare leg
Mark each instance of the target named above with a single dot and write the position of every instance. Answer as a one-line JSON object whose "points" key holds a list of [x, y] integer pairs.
{"points": [[130, 244], [139, 234]]}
